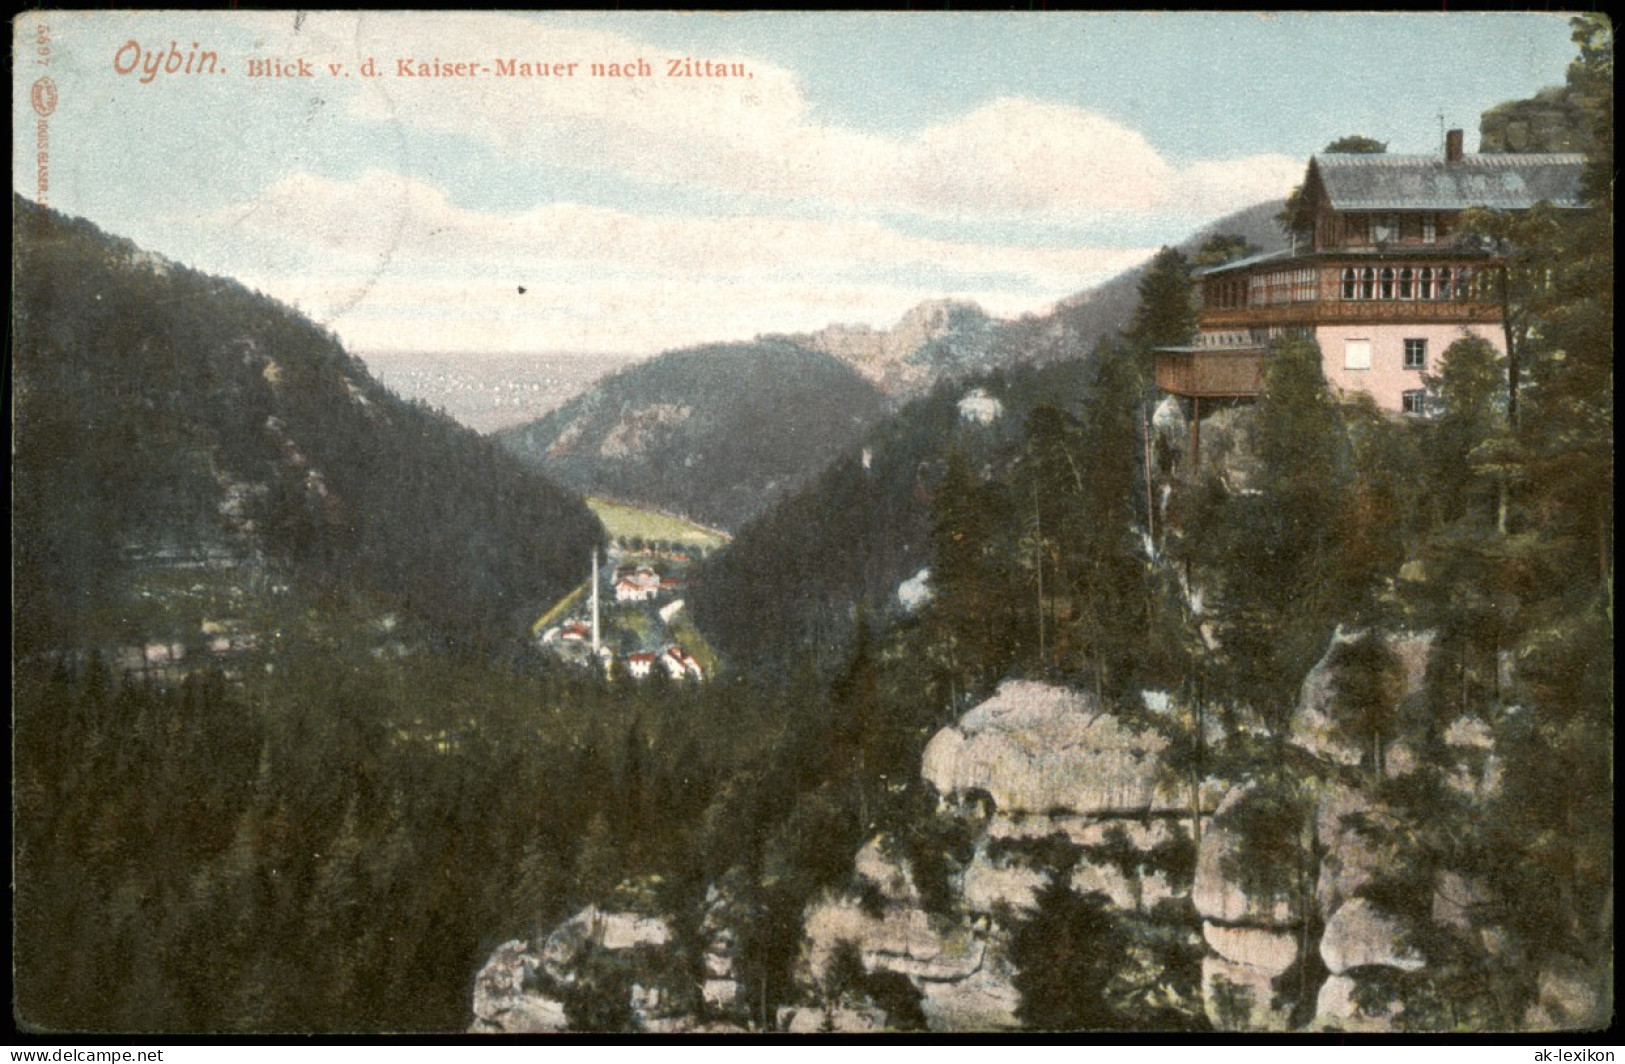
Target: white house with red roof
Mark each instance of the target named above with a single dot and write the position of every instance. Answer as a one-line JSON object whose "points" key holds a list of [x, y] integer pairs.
{"points": [[680, 663], [636, 585]]}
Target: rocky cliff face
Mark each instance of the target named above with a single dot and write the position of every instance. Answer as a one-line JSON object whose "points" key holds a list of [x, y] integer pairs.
{"points": [[1271, 875], [556, 983], [1550, 121], [1033, 766], [937, 339]]}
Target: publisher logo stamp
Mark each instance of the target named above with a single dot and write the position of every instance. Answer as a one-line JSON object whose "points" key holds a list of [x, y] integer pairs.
{"points": [[43, 96]]}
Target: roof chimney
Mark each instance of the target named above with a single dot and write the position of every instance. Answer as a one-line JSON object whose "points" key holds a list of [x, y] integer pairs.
{"points": [[1452, 146]]}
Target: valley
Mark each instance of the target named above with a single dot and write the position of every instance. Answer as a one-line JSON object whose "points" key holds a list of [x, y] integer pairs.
{"points": [[629, 619]]}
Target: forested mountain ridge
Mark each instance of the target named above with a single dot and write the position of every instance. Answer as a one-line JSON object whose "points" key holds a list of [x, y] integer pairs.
{"points": [[719, 432], [169, 422], [713, 433], [846, 540], [793, 579]]}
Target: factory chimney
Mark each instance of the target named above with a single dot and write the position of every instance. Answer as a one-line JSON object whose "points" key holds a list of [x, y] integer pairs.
{"points": [[595, 641]]}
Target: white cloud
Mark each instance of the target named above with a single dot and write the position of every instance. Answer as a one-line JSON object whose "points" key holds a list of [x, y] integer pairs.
{"points": [[381, 217], [384, 248], [1012, 157], [1214, 187], [632, 315], [389, 259]]}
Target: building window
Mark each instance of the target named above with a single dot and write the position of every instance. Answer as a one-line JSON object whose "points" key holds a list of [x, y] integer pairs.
{"points": [[1414, 402], [1430, 228], [1385, 229], [1389, 283], [1416, 354], [1357, 354]]}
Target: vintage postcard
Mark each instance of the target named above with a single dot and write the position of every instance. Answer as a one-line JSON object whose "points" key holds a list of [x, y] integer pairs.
{"points": [[800, 523]]}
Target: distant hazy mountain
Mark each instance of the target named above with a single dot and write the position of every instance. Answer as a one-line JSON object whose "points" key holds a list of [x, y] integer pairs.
{"points": [[490, 392], [183, 444], [713, 433]]}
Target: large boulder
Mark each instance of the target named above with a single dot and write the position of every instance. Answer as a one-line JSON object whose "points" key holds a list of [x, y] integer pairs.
{"points": [[1360, 935], [899, 939], [1253, 937], [1313, 726], [608, 929], [1568, 998], [957, 966], [985, 1000], [521, 986], [1037, 748], [1349, 825], [1271, 952], [504, 1000], [1337, 1009], [1218, 896]]}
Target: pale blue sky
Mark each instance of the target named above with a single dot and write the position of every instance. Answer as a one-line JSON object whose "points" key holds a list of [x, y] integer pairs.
{"points": [[872, 161]]}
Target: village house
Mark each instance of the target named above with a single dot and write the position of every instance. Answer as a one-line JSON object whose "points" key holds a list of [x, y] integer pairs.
{"points": [[639, 665], [680, 663], [1379, 275], [636, 585]]}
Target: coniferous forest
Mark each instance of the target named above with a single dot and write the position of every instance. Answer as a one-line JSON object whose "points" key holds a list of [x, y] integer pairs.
{"points": [[286, 761]]}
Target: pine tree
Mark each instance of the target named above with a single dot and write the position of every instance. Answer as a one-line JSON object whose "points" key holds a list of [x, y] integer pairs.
{"points": [[1469, 394], [1166, 314], [1066, 956]]}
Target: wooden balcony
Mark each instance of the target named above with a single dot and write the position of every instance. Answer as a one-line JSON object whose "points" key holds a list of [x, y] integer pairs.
{"points": [[1211, 372], [1351, 312]]}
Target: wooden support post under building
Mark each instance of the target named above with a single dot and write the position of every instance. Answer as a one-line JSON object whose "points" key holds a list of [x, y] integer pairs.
{"points": [[1196, 433]]}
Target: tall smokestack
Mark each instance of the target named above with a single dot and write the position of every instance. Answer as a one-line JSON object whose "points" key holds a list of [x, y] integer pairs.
{"points": [[1452, 146], [595, 600]]}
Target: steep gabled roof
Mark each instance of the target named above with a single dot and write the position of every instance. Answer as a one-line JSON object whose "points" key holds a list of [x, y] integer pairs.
{"points": [[1429, 183]]}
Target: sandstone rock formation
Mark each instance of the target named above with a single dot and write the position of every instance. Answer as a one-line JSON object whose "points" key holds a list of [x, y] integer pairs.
{"points": [[1279, 884], [1255, 935], [522, 986], [1037, 748], [1032, 763]]}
